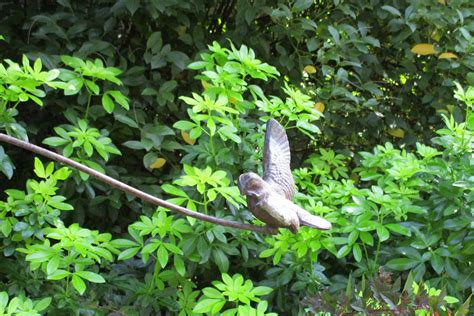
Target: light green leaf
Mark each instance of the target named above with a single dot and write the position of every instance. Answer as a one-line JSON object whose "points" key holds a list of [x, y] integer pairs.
{"points": [[79, 284], [90, 276]]}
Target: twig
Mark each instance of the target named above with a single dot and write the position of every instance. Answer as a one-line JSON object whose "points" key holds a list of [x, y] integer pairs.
{"points": [[129, 189]]}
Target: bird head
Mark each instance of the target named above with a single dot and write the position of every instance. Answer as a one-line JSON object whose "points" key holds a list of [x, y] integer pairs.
{"points": [[251, 184]]}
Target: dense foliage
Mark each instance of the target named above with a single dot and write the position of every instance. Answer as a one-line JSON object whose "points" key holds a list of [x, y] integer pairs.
{"points": [[171, 97]]}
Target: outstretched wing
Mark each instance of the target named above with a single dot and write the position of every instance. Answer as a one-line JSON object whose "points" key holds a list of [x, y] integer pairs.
{"points": [[276, 160]]}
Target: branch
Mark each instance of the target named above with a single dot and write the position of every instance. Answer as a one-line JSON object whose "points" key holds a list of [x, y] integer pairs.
{"points": [[129, 189]]}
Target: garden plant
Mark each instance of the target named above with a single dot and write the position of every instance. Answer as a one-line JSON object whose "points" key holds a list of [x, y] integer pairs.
{"points": [[171, 98]]}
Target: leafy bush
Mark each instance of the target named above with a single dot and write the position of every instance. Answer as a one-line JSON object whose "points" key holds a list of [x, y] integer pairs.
{"points": [[382, 295], [107, 85]]}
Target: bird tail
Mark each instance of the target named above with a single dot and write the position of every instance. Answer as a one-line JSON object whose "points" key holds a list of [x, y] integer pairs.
{"points": [[313, 221]]}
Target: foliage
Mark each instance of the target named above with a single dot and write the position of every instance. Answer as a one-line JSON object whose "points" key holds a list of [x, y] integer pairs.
{"points": [[21, 305], [382, 294], [233, 289], [171, 97]]}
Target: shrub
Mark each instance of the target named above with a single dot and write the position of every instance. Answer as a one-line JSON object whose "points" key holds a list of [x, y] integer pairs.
{"points": [[108, 85]]}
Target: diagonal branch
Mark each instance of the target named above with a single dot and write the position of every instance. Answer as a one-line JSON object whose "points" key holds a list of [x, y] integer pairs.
{"points": [[129, 189]]}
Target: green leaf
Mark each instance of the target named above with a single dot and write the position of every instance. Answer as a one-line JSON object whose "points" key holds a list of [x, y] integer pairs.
{"points": [[392, 10], [163, 256], [173, 248], [366, 238], [450, 299], [42, 304], [184, 125], [39, 168], [93, 87], [211, 292], [437, 263], [52, 265], [221, 260], [132, 5], [262, 290], [301, 5], [90, 276], [58, 274], [198, 65], [123, 243], [128, 253], [79, 284], [344, 251], [464, 308], [3, 299], [334, 34], [37, 65], [151, 246], [357, 252], [171, 189], [119, 98], [207, 305], [267, 253], [107, 103], [397, 228], [179, 265], [382, 232], [402, 264]]}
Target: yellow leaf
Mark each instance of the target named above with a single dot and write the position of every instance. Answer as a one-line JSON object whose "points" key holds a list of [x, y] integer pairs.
{"points": [[443, 111], [187, 139], [310, 69], [436, 35], [396, 132], [443, 2], [159, 162], [319, 106], [205, 84], [450, 108], [181, 30], [447, 55], [423, 49], [233, 100]]}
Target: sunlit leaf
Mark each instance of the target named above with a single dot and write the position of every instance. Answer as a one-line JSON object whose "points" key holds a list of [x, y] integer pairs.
{"points": [[448, 55], [319, 106], [158, 163], [187, 138], [423, 49], [310, 69], [396, 132]]}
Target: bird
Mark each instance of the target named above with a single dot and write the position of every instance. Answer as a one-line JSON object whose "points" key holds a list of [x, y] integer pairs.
{"points": [[270, 198]]}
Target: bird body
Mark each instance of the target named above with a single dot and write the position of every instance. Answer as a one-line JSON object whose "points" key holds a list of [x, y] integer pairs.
{"points": [[270, 198]]}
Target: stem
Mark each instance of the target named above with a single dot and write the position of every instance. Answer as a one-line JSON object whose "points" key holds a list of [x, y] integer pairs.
{"points": [[155, 272], [213, 150], [366, 255], [129, 189], [16, 104], [464, 128], [67, 286], [89, 97], [377, 253], [205, 203], [380, 216], [68, 277]]}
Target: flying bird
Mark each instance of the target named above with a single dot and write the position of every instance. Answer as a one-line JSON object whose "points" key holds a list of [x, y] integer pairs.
{"points": [[270, 198]]}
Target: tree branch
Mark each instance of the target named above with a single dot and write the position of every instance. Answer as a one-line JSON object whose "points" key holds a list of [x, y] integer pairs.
{"points": [[129, 189]]}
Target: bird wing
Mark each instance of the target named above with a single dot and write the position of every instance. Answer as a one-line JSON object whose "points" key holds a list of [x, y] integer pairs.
{"points": [[276, 160], [275, 210]]}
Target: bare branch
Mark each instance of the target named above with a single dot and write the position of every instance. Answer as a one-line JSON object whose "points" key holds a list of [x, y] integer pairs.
{"points": [[129, 189]]}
